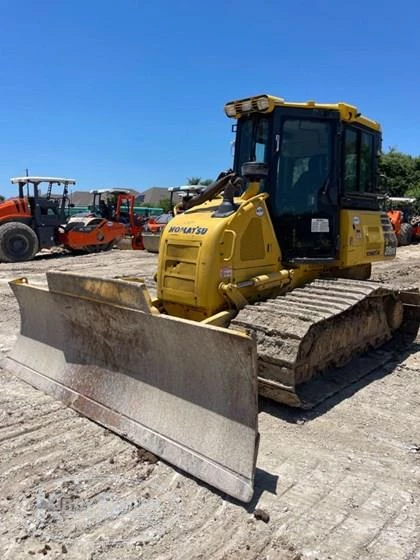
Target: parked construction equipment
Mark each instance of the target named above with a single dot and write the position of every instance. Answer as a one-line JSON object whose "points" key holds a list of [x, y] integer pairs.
{"points": [[403, 218], [262, 278], [112, 213], [124, 212], [415, 224], [33, 221], [29, 222], [153, 229]]}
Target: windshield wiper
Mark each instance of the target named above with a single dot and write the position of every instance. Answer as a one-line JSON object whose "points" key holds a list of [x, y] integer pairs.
{"points": [[325, 186]]}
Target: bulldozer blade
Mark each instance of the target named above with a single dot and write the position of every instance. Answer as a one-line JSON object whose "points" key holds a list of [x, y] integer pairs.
{"points": [[184, 391]]}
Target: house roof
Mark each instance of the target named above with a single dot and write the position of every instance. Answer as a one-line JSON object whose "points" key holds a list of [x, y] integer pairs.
{"points": [[84, 198], [154, 195], [81, 198]]}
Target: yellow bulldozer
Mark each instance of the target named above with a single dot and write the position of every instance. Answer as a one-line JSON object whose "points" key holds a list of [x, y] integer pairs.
{"points": [[262, 284]]}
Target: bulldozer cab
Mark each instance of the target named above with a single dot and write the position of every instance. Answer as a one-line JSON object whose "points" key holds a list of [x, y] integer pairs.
{"points": [[317, 165]]}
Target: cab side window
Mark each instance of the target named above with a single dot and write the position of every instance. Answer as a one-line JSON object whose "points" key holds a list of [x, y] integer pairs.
{"points": [[350, 161], [359, 161], [367, 161]]}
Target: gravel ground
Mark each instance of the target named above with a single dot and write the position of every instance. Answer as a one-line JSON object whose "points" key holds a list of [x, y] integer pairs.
{"points": [[339, 482]]}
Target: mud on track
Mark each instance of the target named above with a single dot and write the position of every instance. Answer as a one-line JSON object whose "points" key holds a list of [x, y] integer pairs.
{"points": [[339, 482]]}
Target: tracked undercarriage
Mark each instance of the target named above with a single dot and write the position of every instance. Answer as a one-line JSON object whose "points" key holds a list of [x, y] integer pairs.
{"points": [[318, 328]]}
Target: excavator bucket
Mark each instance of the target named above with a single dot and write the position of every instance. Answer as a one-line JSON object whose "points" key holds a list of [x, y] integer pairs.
{"points": [[185, 391]]}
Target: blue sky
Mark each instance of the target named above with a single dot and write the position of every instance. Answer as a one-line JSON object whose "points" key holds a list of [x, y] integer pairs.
{"points": [[131, 92]]}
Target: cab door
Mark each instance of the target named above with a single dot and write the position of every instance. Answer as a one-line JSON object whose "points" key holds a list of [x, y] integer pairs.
{"points": [[303, 187]]}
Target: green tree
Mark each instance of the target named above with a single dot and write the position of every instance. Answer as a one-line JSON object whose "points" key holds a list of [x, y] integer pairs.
{"points": [[147, 205], [401, 170], [2, 198], [193, 180], [165, 203], [414, 191], [199, 181]]}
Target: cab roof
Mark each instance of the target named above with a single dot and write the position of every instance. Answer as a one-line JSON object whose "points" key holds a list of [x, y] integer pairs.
{"points": [[110, 191], [187, 188], [266, 104], [58, 180]]}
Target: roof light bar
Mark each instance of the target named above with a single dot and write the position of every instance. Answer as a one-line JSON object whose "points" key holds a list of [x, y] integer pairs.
{"points": [[258, 104]]}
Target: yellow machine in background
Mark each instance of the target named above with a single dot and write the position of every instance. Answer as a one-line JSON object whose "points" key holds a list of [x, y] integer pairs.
{"points": [[262, 279]]}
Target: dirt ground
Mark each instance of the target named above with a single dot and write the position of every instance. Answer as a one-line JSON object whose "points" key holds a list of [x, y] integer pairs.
{"points": [[341, 482]]}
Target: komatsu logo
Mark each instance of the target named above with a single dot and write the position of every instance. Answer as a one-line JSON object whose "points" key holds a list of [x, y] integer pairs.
{"points": [[196, 230]]}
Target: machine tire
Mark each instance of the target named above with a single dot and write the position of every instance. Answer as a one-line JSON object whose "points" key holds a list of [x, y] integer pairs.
{"points": [[99, 248], [92, 248], [18, 242], [108, 246], [406, 234]]}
